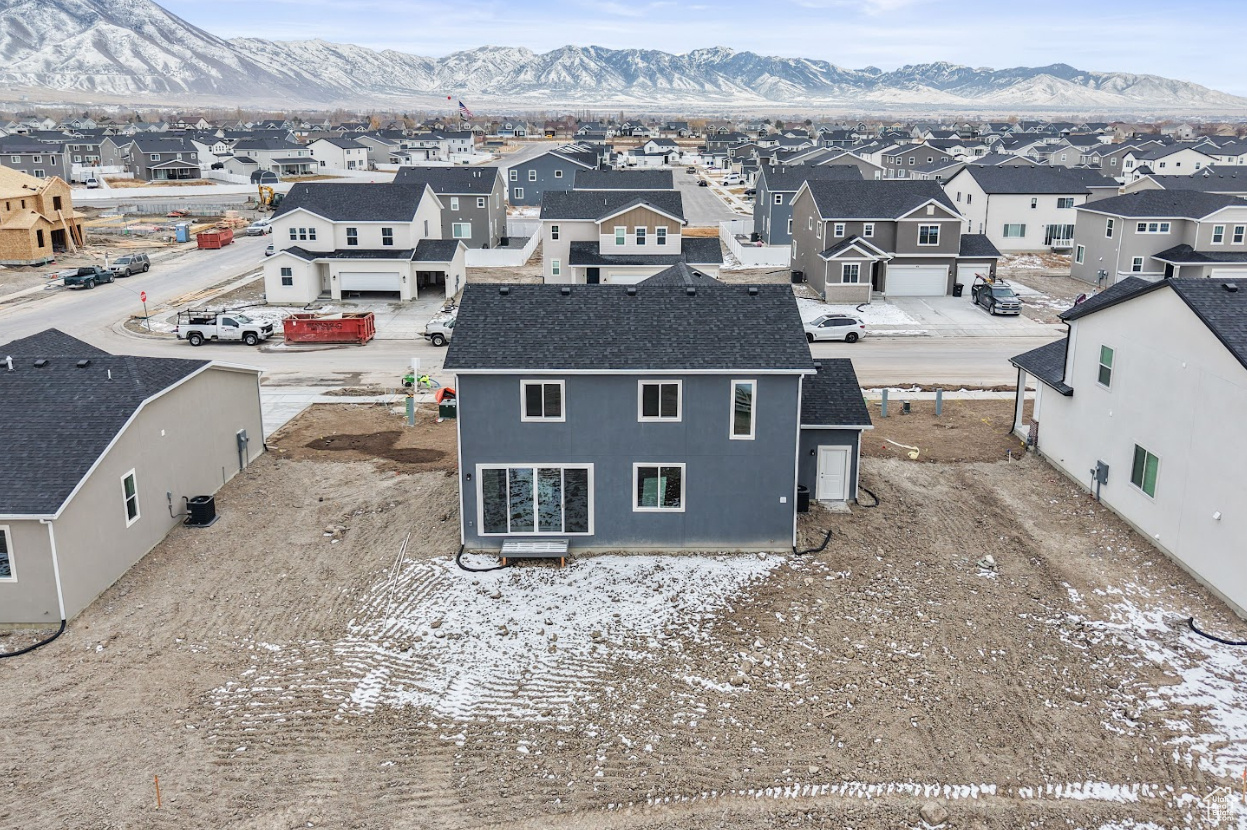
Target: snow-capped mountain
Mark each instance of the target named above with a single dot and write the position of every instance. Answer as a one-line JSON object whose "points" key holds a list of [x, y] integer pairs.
{"points": [[138, 51]]}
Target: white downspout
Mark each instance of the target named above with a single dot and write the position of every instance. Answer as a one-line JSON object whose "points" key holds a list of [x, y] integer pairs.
{"points": [[56, 567]]}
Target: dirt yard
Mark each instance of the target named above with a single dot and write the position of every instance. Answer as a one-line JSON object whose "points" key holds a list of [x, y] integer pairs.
{"points": [[315, 659], [968, 430]]}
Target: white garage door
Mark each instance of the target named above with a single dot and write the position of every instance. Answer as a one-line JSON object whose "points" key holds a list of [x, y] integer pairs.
{"points": [[370, 280], [1228, 273], [916, 281], [625, 277], [967, 273]]}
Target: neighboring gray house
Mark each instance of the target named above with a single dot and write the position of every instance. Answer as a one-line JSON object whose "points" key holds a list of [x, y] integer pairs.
{"points": [[1230, 180], [553, 170], [153, 157], [623, 180], [901, 238], [103, 438], [277, 155], [1155, 234], [776, 187], [34, 158], [473, 199], [656, 420]]}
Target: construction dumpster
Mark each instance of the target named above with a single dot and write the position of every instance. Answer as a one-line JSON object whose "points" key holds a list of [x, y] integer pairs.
{"points": [[340, 328], [215, 237]]}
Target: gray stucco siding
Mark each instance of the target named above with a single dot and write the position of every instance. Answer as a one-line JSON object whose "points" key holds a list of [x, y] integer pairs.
{"points": [[807, 458], [546, 168], [733, 488]]}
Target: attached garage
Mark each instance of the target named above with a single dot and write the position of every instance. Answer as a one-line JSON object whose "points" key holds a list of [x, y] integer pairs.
{"points": [[370, 281], [626, 277], [916, 281], [966, 272]]}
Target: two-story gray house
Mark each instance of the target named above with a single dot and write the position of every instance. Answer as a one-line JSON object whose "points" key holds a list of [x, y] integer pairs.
{"points": [[473, 200], [153, 157], [553, 170], [653, 420], [1155, 234], [901, 238], [34, 158], [776, 187]]}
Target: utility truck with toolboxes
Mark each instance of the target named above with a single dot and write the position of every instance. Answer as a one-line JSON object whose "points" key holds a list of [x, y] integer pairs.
{"points": [[198, 327]]}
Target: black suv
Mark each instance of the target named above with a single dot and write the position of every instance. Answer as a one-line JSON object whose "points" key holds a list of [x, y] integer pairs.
{"points": [[129, 264]]}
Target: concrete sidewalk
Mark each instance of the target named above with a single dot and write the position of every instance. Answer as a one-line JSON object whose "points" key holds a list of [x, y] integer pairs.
{"points": [[282, 404]]}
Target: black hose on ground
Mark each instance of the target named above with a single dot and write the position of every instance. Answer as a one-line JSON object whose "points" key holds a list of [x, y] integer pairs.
{"points": [[1191, 622], [859, 306], [818, 549], [872, 495], [39, 644], [459, 562]]}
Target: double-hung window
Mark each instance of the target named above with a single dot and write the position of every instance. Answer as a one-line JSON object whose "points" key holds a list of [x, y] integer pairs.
{"points": [[928, 234], [1108, 229], [387, 236], [556, 268], [1080, 254], [621, 236], [130, 497], [532, 175], [660, 235], [535, 500], [1143, 471], [287, 276], [1239, 231], [554, 233], [658, 400], [541, 400], [1218, 234], [658, 487], [838, 229], [1136, 265], [779, 198], [851, 272], [352, 236], [744, 394], [1105, 373], [454, 202], [868, 230], [480, 202], [7, 571], [640, 236], [514, 175]]}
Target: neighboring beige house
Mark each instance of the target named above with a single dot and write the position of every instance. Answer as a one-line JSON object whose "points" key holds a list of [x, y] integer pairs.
{"points": [[37, 218], [1144, 387], [110, 446]]}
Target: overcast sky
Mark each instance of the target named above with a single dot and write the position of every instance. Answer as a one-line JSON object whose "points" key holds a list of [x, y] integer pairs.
{"points": [[1203, 43]]}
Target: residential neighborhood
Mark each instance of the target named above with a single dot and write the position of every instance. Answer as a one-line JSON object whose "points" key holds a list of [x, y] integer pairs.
{"points": [[502, 459]]}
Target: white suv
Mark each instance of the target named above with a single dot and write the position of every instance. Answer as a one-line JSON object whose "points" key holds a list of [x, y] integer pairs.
{"points": [[835, 327]]}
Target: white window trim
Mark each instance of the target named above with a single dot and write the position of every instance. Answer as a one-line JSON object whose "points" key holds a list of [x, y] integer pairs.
{"points": [[525, 417], [455, 235], [514, 175], [558, 174], [1137, 487], [1213, 239], [480, 498], [618, 235], [1109, 227], [480, 202], [640, 401], [1099, 364], [556, 268], [660, 235], [519, 192], [868, 230], [636, 479], [837, 230], [138, 511], [934, 244], [8, 540], [1140, 260], [532, 175], [753, 413], [1080, 254]]}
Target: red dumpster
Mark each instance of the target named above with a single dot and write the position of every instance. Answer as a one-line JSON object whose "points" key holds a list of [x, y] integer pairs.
{"points": [[215, 237], [340, 328]]}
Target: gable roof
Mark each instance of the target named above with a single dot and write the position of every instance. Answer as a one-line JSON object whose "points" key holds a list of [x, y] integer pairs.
{"points": [[1002, 179], [62, 418], [832, 397], [680, 274], [476, 181], [1162, 204], [790, 179], [1047, 365], [341, 141], [594, 204], [880, 199], [361, 202], [623, 180], [978, 246], [645, 328]]}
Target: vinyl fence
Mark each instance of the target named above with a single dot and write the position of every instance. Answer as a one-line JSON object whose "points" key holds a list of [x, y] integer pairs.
{"points": [[747, 253]]}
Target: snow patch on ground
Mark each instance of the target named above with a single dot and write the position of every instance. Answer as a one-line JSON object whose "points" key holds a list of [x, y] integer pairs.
{"points": [[522, 643], [873, 314]]}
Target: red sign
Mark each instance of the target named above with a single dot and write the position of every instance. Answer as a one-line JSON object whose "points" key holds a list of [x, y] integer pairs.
{"points": [[142, 296]]}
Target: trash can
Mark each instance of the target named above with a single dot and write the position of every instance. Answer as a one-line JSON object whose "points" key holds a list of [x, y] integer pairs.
{"points": [[803, 499], [957, 289]]}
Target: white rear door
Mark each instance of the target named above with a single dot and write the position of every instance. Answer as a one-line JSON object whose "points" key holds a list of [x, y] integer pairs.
{"points": [[833, 474]]}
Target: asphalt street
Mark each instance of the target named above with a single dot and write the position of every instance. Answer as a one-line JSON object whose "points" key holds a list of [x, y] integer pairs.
{"points": [[701, 207]]}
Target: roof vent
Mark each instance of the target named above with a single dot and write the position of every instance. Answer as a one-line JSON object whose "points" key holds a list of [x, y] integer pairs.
{"points": [[1230, 287], [82, 364], [753, 291], [40, 363], [504, 290], [566, 291], [691, 291], [818, 367]]}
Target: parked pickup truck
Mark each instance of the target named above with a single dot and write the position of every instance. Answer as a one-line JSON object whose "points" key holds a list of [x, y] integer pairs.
{"points": [[196, 327], [996, 297], [88, 276], [439, 330]]}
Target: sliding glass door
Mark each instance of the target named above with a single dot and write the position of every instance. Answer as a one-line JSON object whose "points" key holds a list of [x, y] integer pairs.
{"points": [[536, 500]]}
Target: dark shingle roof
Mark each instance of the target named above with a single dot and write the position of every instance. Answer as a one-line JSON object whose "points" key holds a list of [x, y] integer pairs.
{"points": [[360, 202], [1186, 255], [436, 250], [978, 246], [698, 250], [1162, 204], [680, 274], [789, 179], [1212, 179], [477, 181], [59, 419], [604, 327], [1114, 294], [1037, 179], [351, 253], [592, 204], [874, 199], [623, 180], [341, 141], [833, 397], [1047, 365]]}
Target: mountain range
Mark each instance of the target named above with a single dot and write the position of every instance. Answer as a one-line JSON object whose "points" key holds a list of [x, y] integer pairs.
{"points": [[138, 52]]}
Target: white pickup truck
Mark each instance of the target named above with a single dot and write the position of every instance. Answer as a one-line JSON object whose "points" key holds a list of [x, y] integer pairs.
{"points": [[197, 327]]}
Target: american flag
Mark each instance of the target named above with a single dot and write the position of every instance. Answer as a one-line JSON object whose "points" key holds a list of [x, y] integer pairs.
{"points": [[464, 111]]}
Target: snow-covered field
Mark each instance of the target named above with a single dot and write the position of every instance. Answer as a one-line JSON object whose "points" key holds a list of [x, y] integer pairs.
{"points": [[874, 314]]}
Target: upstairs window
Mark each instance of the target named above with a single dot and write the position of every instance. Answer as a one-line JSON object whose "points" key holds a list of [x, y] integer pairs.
{"points": [[1136, 265], [1108, 229], [928, 234], [514, 175], [480, 201], [868, 230], [1015, 231], [743, 393], [532, 176], [659, 401], [130, 497], [542, 400], [660, 236], [621, 236], [352, 236], [454, 202], [1239, 231], [554, 233], [838, 229], [387, 236], [640, 236], [1144, 470], [1105, 373], [1218, 234], [1065, 202]]}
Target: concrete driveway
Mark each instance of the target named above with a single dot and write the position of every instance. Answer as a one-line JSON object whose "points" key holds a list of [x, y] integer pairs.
{"points": [[958, 317]]}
